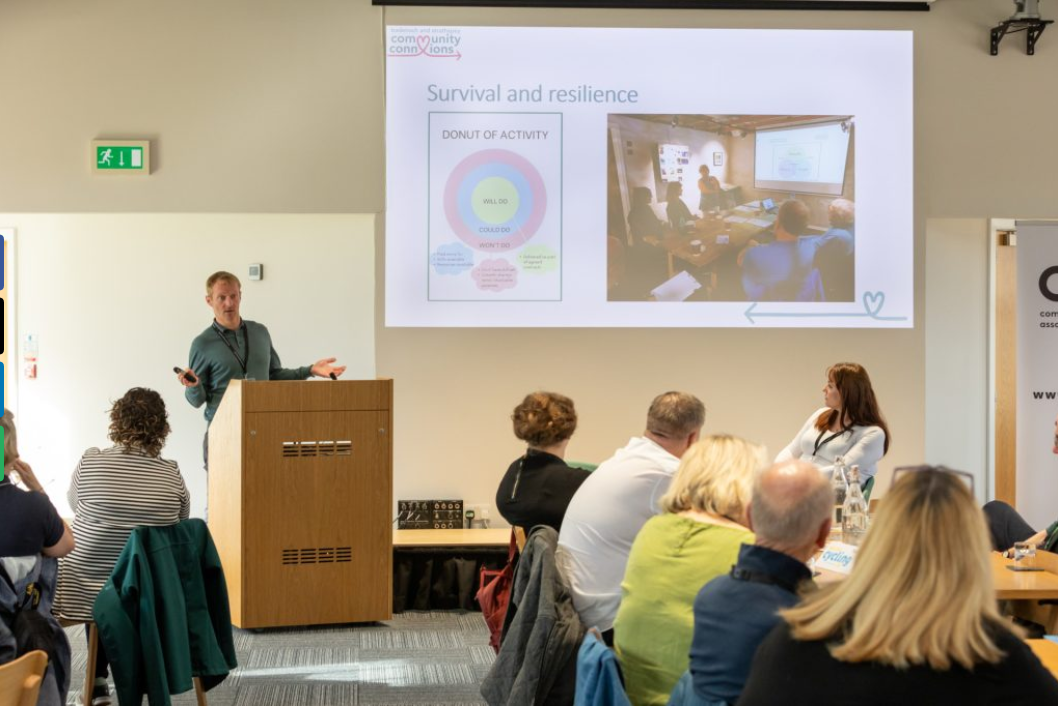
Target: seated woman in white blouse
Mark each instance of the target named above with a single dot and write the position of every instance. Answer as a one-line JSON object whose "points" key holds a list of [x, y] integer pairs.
{"points": [[851, 425]]}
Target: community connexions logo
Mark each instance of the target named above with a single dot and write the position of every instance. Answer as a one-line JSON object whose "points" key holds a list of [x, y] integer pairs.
{"points": [[431, 42]]}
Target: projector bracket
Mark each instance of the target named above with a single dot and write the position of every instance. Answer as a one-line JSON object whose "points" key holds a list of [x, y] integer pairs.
{"points": [[1033, 28]]}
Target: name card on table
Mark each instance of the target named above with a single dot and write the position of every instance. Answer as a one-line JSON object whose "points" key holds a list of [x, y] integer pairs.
{"points": [[837, 557]]}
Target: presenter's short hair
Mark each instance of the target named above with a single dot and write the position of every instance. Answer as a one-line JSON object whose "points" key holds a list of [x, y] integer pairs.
{"points": [[221, 276], [544, 419], [675, 414], [7, 422]]}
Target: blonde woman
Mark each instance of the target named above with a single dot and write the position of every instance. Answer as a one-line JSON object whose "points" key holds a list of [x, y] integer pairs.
{"points": [[696, 539], [915, 623]]}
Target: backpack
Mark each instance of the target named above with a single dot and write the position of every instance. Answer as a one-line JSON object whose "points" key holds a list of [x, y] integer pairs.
{"points": [[494, 594], [30, 628]]}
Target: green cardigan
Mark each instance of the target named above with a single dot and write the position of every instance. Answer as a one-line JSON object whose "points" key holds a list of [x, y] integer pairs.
{"points": [[163, 615], [671, 559]]}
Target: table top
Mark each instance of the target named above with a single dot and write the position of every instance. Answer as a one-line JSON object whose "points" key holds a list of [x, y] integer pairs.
{"points": [[1021, 585], [498, 537], [1047, 651]]}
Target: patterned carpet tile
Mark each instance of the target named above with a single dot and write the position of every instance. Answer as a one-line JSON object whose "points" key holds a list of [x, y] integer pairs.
{"points": [[435, 658], [299, 694]]}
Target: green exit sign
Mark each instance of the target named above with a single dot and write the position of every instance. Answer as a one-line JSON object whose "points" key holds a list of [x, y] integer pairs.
{"points": [[121, 157]]}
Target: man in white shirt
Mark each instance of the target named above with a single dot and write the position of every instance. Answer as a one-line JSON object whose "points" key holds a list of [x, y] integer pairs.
{"points": [[610, 508]]}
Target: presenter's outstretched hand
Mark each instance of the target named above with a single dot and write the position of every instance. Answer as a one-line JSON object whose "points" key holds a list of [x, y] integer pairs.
{"points": [[323, 368], [182, 377]]}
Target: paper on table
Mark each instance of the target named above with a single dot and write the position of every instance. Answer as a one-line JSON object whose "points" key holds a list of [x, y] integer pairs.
{"points": [[760, 223], [676, 289]]}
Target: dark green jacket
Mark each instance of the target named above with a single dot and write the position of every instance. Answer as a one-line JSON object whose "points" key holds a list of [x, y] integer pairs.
{"points": [[163, 614], [216, 361]]}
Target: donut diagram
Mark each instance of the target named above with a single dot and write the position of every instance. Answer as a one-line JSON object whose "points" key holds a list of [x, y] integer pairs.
{"points": [[495, 200]]}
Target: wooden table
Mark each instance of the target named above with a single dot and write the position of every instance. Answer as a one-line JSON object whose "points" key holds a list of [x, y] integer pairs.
{"points": [[738, 226], [499, 537], [1047, 651], [1022, 585]]}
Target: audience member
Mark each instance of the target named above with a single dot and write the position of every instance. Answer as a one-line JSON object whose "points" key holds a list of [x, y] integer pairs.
{"points": [[790, 515], [782, 270], [694, 541], [642, 221], [616, 501], [834, 252], [112, 492], [916, 622], [710, 194], [31, 524], [680, 218], [537, 488], [851, 425], [32, 536], [1007, 527]]}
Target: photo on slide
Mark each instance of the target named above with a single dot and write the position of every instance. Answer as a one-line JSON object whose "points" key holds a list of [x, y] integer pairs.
{"points": [[731, 208]]}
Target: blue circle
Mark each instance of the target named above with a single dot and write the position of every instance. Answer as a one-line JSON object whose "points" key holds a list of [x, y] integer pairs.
{"points": [[521, 185]]}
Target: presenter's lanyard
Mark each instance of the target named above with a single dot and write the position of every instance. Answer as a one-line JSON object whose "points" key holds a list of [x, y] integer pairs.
{"points": [[244, 359], [821, 442]]}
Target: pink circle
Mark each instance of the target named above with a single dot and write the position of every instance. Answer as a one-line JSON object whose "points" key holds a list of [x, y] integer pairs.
{"points": [[462, 171]]}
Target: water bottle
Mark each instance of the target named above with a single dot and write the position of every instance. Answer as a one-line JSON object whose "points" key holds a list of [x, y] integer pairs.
{"points": [[854, 511], [837, 480]]}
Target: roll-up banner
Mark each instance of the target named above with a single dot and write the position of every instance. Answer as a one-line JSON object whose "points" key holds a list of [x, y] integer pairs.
{"points": [[1037, 471]]}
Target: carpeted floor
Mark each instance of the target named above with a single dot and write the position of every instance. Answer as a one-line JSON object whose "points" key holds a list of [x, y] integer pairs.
{"points": [[434, 658]]}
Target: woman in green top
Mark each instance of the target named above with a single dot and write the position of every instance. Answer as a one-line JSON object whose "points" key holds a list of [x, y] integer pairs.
{"points": [[693, 541]]}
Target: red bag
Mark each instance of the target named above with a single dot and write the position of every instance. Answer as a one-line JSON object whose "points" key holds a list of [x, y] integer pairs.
{"points": [[494, 593]]}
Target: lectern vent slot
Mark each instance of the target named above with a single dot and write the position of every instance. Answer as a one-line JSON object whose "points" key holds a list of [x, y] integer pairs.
{"points": [[315, 449], [317, 555]]}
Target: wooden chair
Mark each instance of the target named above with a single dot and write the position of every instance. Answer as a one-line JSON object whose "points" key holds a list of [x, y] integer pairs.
{"points": [[90, 667], [20, 680]]}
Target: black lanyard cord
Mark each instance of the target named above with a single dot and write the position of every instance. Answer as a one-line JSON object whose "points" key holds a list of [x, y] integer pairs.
{"points": [[821, 442], [244, 359]]}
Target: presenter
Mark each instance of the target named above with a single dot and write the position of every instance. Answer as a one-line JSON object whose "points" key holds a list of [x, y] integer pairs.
{"points": [[850, 425], [234, 348]]}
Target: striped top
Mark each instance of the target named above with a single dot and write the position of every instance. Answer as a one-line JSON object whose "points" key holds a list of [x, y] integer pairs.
{"points": [[112, 492]]}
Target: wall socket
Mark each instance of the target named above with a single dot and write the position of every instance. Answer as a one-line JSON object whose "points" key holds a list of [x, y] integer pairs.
{"points": [[482, 514]]}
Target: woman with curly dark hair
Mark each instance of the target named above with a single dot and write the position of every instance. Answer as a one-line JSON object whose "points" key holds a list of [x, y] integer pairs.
{"points": [[537, 487], [113, 491]]}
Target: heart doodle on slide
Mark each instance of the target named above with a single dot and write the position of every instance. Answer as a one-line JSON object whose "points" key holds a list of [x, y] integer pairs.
{"points": [[873, 302], [423, 41]]}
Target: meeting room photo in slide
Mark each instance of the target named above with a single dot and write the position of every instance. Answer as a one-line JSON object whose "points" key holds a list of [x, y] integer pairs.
{"points": [[731, 208]]}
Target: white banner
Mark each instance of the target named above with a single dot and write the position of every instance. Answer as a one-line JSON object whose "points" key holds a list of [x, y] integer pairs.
{"points": [[1037, 466]]}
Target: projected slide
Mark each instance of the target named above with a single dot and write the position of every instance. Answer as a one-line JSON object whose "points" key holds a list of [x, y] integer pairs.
{"points": [[569, 177], [808, 159], [495, 207]]}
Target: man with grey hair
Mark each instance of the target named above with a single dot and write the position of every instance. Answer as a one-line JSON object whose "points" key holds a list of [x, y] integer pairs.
{"points": [[790, 514], [614, 503], [834, 252]]}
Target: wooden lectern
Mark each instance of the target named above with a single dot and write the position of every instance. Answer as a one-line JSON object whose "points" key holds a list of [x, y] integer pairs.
{"points": [[300, 496]]}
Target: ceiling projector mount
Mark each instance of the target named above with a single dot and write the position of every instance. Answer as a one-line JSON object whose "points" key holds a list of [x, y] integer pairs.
{"points": [[1026, 18]]}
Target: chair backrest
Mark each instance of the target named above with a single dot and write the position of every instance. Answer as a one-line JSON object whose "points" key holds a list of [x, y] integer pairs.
{"points": [[20, 680]]}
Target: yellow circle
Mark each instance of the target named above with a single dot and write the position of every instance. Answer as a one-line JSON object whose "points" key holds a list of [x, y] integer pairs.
{"points": [[494, 200]]}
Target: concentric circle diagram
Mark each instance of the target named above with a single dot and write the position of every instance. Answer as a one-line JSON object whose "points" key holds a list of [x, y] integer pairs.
{"points": [[495, 200]]}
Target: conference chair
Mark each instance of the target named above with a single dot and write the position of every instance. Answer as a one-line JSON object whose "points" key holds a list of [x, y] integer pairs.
{"points": [[868, 486], [163, 615], [90, 668], [20, 680]]}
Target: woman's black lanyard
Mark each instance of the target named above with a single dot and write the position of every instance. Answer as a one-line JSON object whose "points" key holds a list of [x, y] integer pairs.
{"points": [[243, 359], [821, 442]]}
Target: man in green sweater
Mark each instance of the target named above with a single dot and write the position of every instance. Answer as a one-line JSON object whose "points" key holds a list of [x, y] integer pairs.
{"points": [[233, 348]]}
